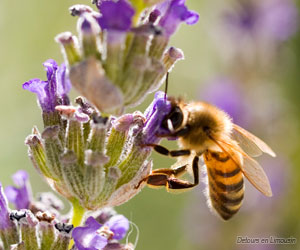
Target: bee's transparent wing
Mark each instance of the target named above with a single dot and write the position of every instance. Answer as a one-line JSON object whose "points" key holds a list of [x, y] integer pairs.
{"points": [[256, 175], [251, 144]]}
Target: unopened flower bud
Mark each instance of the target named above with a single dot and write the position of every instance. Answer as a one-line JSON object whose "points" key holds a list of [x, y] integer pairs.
{"points": [[88, 30], [79, 9], [70, 47]]}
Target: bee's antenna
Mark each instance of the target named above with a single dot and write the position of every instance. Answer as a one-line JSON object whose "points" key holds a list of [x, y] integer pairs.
{"points": [[166, 87]]}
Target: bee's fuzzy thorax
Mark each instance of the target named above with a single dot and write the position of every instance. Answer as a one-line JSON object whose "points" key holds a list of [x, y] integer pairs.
{"points": [[200, 117]]}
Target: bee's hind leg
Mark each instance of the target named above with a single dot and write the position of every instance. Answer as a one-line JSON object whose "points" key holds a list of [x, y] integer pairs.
{"points": [[167, 177]]}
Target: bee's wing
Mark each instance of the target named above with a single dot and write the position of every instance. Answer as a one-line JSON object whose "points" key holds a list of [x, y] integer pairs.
{"points": [[251, 144], [250, 168], [256, 175]]}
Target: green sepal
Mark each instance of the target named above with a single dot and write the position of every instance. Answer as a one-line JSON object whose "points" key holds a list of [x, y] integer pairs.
{"points": [[74, 140], [29, 236], [37, 155], [96, 141], [62, 242], [114, 58], [158, 46], [130, 166], [69, 47], [47, 235], [53, 149], [111, 180], [150, 81], [9, 236], [73, 174], [115, 146], [94, 176]]}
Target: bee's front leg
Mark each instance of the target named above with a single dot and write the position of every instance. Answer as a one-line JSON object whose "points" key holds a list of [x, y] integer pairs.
{"points": [[164, 151]]}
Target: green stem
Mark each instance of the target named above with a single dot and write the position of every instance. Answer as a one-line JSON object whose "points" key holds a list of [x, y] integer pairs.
{"points": [[77, 216], [78, 213]]}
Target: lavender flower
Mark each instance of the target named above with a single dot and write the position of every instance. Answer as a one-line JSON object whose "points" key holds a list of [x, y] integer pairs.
{"points": [[20, 196], [122, 55], [54, 91], [175, 13], [95, 236], [100, 161]]}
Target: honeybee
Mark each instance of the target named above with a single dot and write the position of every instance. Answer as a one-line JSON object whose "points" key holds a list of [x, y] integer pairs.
{"points": [[205, 131]]}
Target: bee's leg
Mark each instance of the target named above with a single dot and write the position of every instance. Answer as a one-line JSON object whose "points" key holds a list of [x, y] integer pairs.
{"points": [[176, 172], [164, 151], [164, 177], [177, 184], [159, 177]]}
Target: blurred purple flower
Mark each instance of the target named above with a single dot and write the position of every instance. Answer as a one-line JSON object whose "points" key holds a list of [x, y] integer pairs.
{"points": [[226, 95], [115, 15], [273, 19], [279, 18], [54, 91], [95, 236], [175, 12], [21, 195]]}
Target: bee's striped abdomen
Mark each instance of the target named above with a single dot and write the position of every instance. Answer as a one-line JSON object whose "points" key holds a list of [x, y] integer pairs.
{"points": [[225, 183]]}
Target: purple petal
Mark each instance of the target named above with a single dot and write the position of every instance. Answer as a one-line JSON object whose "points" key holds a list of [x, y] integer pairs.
{"points": [[37, 86], [176, 13], [20, 196], [116, 15], [54, 91], [155, 115], [92, 223], [4, 215], [63, 84], [119, 225], [11, 193], [51, 88], [20, 178], [87, 238], [50, 67], [191, 17]]}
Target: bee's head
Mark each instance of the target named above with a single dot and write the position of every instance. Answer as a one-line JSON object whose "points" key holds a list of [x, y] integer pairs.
{"points": [[175, 119]]}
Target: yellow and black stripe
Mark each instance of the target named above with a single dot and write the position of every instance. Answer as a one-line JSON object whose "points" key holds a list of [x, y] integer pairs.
{"points": [[225, 183]]}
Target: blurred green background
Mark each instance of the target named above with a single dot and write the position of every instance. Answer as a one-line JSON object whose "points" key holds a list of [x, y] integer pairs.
{"points": [[168, 221]]}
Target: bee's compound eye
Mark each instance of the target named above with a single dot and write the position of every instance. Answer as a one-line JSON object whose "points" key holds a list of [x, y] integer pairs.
{"points": [[176, 117]]}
